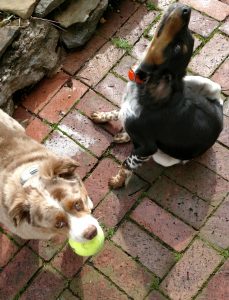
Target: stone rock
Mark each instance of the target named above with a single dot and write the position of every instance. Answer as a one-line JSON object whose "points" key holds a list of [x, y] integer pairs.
{"points": [[21, 8], [7, 35], [8, 107], [32, 55], [78, 34], [44, 7], [75, 12]]}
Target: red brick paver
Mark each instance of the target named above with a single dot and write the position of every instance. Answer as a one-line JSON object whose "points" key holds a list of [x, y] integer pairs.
{"points": [[7, 249], [223, 138], [218, 287], [117, 203], [52, 284], [190, 272], [221, 76], [169, 229], [100, 64], [179, 201], [210, 56], [124, 65], [67, 262], [62, 102], [216, 228], [124, 271], [44, 91], [202, 24], [201, 181], [85, 132], [17, 273], [67, 295], [214, 8], [90, 285], [112, 88], [142, 246]]}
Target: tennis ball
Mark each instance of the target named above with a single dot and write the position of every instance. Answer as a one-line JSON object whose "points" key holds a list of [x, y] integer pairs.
{"points": [[90, 247]]}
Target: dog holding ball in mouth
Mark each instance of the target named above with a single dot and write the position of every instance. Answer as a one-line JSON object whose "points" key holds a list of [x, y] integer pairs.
{"points": [[41, 194]]}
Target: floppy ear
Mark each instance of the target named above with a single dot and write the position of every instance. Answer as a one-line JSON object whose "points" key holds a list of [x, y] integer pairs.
{"points": [[19, 212], [65, 167]]}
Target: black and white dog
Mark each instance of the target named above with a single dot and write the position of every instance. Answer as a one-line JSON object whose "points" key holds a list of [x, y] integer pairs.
{"points": [[167, 115]]}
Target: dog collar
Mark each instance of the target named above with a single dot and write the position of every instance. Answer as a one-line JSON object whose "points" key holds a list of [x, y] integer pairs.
{"points": [[134, 77], [28, 173]]}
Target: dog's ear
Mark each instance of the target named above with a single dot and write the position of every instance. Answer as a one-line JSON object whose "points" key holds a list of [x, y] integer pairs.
{"points": [[19, 212], [65, 168], [61, 167]]}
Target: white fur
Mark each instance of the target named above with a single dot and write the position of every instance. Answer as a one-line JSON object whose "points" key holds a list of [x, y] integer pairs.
{"points": [[130, 107], [78, 226], [90, 203], [204, 86], [164, 159]]}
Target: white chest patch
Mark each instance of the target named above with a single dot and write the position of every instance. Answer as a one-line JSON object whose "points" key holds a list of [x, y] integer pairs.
{"points": [[130, 107]]}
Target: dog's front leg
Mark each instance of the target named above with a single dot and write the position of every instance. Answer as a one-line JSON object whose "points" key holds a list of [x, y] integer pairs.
{"points": [[130, 164], [103, 117]]}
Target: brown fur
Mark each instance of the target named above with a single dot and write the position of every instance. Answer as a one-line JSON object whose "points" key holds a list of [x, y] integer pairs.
{"points": [[43, 206], [154, 55]]}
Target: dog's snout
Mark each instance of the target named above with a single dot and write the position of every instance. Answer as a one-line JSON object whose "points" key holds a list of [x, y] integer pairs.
{"points": [[90, 232], [186, 11]]}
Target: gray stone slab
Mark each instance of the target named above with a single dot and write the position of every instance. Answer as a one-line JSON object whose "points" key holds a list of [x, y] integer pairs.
{"points": [[7, 35], [76, 12], [21, 8], [44, 7]]}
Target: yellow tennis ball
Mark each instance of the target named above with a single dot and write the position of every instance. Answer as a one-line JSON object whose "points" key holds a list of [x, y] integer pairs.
{"points": [[90, 247]]}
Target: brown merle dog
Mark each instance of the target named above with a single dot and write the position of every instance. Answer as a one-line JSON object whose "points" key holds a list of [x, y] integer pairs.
{"points": [[167, 115]]}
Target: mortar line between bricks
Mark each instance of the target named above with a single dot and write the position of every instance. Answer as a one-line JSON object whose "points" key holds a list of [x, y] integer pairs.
{"points": [[77, 142], [28, 283], [147, 30], [51, 96], [208, 279], [90, 263], [190, 245], [137, 261], [214, 208], [218, 249], [190, 191], [13, 256], [206, 167], [172, 213], [121, 25], [225, 146]]}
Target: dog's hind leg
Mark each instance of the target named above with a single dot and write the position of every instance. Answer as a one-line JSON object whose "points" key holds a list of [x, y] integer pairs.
{"points": [[103, 117], [130, 164], [204, 87]]}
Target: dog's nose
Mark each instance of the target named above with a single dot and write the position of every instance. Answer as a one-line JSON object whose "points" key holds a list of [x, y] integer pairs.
{"points": [[90, 232], [186, 11]]}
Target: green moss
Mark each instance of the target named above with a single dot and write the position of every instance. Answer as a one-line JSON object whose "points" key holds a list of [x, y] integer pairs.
{"points": [[122, 44]]}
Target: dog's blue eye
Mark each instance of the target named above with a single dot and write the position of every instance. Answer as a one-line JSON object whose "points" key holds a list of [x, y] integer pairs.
{"points": [[177, 49], [78, 206]]}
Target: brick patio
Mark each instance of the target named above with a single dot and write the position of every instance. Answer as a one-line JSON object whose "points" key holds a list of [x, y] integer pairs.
{"points": [[168, 231]]}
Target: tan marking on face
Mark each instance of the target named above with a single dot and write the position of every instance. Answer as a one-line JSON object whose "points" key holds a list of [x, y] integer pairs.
{"points": [[172, 26]]}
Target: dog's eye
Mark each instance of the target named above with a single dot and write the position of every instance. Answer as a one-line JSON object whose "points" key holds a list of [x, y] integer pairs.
{"points": [[177, 49], [77, 206], [60, 224]]}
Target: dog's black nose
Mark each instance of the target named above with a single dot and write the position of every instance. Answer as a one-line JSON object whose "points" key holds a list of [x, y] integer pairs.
{"points": [[90, 232], [186, 11]]}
